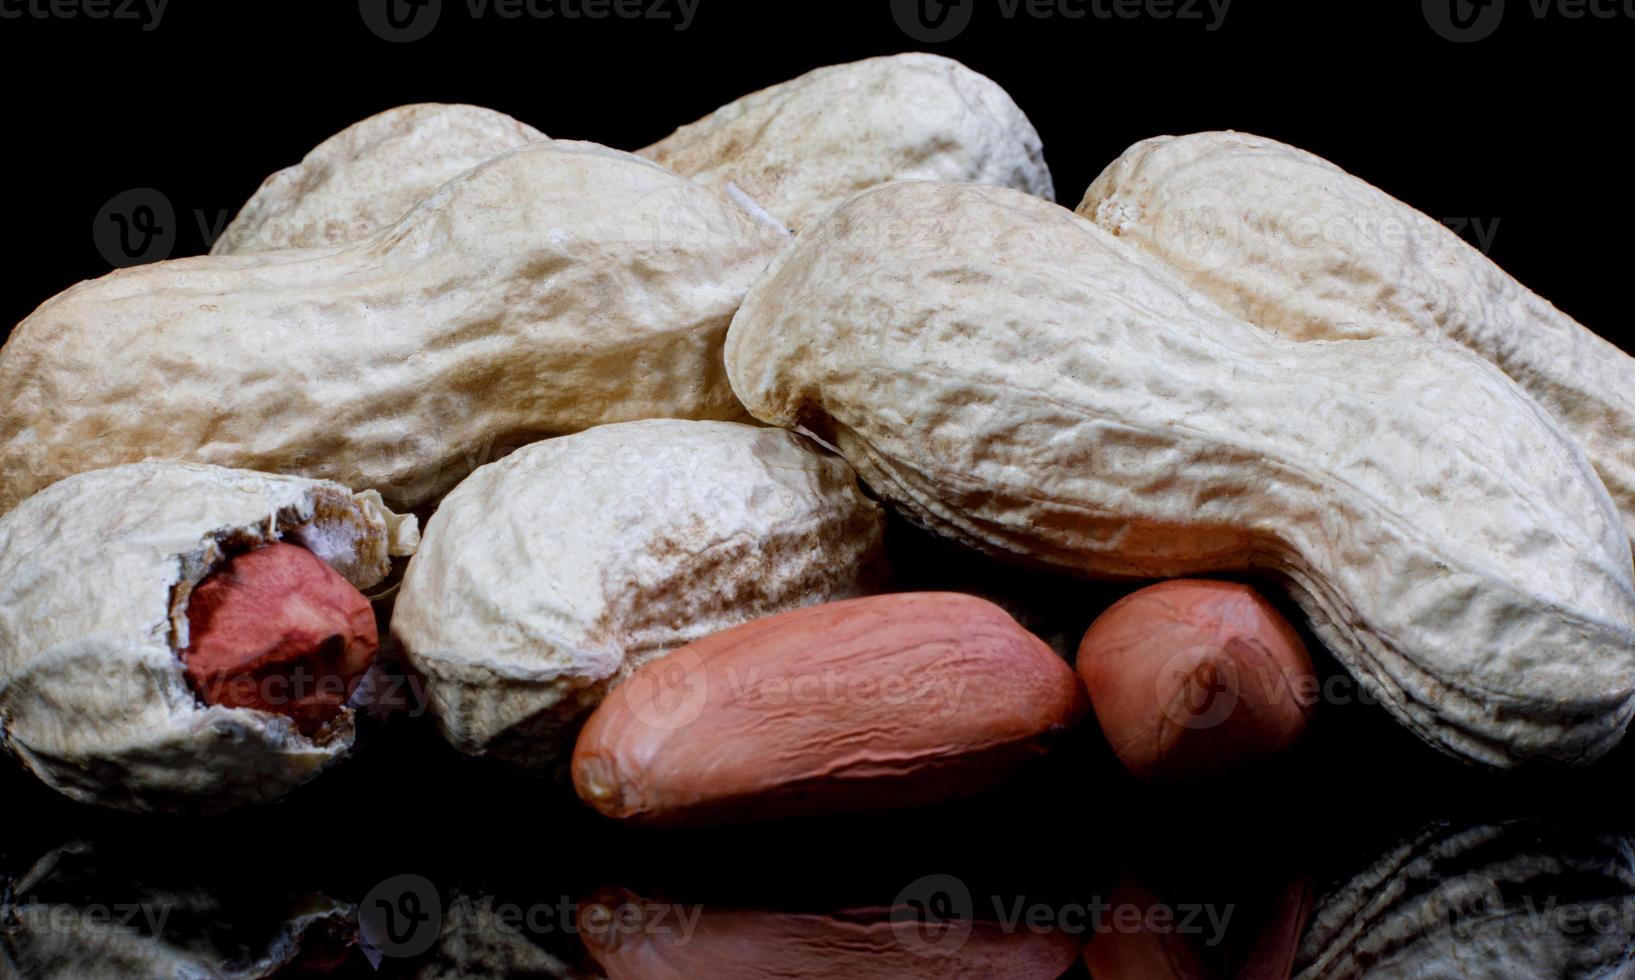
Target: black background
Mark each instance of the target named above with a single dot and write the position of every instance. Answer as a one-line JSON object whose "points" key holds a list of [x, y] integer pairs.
{"points": [[1523, 129]]}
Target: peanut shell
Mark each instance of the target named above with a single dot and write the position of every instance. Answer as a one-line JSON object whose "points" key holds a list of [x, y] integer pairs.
{"points": [[801, 147], [369, 175], [557, 287], [548, 577], [95, 573], [1013, 376], [1295, 245]]}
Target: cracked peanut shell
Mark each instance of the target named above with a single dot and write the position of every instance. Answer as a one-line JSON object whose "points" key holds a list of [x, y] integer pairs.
{"points": [[95, 573]]}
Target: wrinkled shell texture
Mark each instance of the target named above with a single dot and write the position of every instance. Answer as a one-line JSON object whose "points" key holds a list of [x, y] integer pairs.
{"points": [[369, 175], [1490, 902], [549, 576], [557, 287], [802, 147], [94, 577], [876, 703], [1013, 376], [1193, 679], [1295, 245], [863, 944]]}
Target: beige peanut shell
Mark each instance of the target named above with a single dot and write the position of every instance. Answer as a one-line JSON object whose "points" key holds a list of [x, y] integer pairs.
{"points": [[369, 175], [557, 287], [1013, 376], [95, 573], [1293, 244], [548, 577], [801, 147]]}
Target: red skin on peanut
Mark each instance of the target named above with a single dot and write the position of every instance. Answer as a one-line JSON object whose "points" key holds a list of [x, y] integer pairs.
{"points": [[276, 629], [1196, 679], [884, 702]]}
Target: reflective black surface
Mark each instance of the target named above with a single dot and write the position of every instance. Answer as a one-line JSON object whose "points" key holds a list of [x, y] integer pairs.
{"points": [[1362, 853]]}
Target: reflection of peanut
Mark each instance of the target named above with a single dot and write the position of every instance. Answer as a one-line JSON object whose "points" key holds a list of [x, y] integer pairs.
{"points": [[1255, 936], [968, 387], [1192, 679], [866, 704], [276, 629], [636, 938]]}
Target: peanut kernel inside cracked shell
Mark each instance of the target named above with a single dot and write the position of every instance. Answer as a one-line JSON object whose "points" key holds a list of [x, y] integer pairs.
{"points": [[278, 630], [1194, 680]]}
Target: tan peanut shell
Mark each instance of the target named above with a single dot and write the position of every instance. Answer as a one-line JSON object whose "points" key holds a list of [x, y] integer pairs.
{"points": [[876, 703], [1013, 376], [557, 287], [1293, 244], [369, 175], [801, 147], [95, 573], [1480, 902], [548, 577]]}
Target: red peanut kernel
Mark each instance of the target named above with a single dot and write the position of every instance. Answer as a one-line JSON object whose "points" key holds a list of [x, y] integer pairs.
{"points": [[1196, 679], [276, 629]]}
